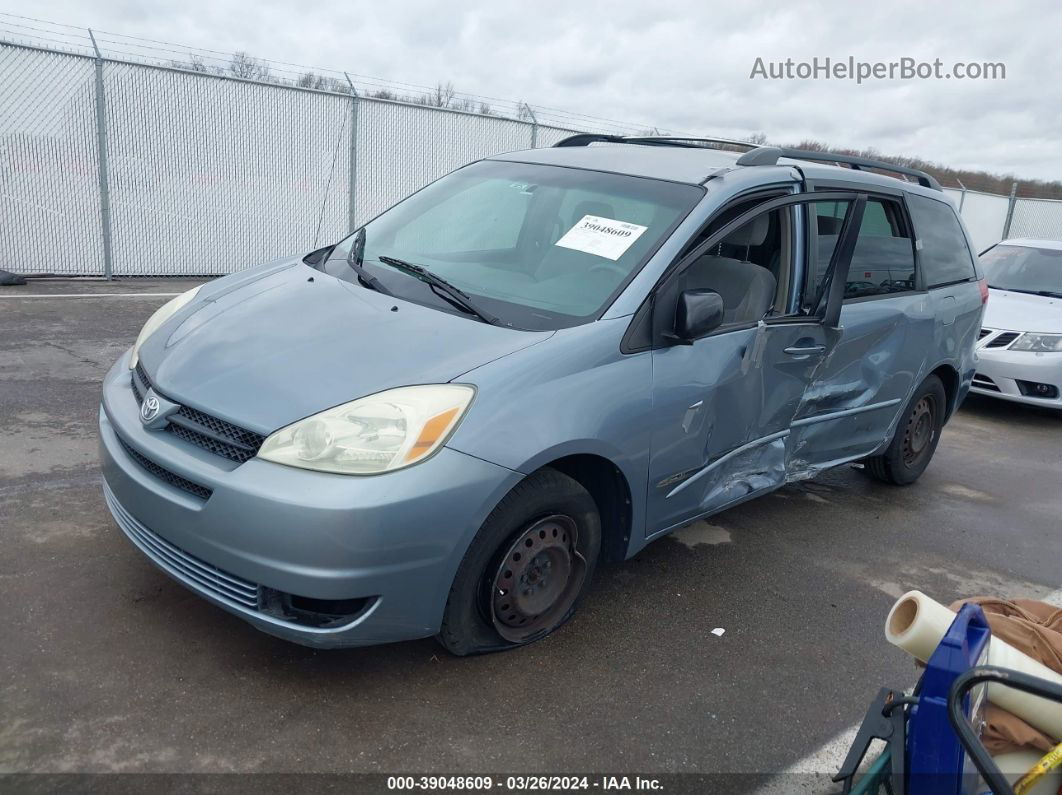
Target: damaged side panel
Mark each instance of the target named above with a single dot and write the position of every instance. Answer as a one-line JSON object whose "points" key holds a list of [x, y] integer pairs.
{"points": [[722, 409], [753, 468]]}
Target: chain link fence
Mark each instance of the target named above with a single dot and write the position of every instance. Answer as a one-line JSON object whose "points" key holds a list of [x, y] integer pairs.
{"points": [[1036, 218], [111, 167], [49, 166], [991, 217], [120, 168]]}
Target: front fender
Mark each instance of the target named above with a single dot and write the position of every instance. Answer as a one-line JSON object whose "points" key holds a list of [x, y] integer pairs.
{"points": [[572, 394]]}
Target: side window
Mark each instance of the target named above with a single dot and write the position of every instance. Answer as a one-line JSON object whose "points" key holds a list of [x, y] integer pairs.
{"points": [[946, 257], [756, 269], [883, 260], [750, 269]]}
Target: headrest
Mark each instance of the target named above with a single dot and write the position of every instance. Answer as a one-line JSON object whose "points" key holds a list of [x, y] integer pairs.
{"points": [[600, 209], [751, 234]]}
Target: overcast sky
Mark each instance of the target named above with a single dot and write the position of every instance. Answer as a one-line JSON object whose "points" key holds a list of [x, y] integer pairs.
{"points": [[682, 66]]}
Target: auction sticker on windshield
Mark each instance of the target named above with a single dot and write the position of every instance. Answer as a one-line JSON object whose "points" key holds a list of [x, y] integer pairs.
{"points": [[603, 237]]}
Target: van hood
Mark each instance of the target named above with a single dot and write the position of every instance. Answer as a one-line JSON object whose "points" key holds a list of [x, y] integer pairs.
{"points": [[1012, 311], [263, 349]]}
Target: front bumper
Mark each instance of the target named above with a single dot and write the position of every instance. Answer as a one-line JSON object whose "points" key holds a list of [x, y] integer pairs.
{"points": [[394, 540], [999, 371]]}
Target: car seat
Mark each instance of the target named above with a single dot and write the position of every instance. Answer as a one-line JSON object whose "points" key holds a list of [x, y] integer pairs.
{"points": [[747, 289]]}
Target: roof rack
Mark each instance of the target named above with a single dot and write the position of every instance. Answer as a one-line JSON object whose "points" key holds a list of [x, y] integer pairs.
{"points": [[586, 139], [768, 156], [758, 155]]}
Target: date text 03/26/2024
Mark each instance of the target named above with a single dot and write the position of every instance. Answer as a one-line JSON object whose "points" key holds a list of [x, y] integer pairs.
{"points": [[524, 783]]}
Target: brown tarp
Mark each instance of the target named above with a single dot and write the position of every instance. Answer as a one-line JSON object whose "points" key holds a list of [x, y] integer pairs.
{"points": [[1034, 628]]}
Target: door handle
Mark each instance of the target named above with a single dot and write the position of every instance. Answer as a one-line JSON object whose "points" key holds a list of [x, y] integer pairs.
{"points": [[805, 350]]}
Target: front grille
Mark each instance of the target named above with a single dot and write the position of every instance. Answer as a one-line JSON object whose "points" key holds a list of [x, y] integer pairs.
{"points": [[984, 382], [163, 474], [1003, 340], [201, 429], [141, 382], [218, 436], [174, 560]]}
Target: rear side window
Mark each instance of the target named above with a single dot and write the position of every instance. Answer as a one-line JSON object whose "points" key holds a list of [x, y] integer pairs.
{"points": [[883, 260], [946, 258]]}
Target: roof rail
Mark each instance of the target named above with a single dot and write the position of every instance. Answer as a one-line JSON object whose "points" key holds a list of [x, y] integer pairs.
{"points": [[768, 156], [683, 140], [758, 154], [585, 139]]}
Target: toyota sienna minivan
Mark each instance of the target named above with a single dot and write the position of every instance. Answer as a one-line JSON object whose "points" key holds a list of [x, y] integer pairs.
{"points": [[546, 359]]}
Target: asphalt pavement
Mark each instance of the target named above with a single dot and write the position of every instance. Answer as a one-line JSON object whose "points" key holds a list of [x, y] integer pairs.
{"points": [[106, 665]]}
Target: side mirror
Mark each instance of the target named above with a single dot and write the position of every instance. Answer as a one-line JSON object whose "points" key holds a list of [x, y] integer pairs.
{"points": [[698, 312]]}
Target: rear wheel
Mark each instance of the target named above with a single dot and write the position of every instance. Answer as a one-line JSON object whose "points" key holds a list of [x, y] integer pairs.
{"points": [[916, 437], [527, 568]]}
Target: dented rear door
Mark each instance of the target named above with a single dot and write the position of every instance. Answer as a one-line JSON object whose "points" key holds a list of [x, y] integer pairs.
{"points": [[878, 349], [858, 391]]}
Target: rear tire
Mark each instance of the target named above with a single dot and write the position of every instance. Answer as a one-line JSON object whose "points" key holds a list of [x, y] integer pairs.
{"points": [[915, 439], [527, 569]]}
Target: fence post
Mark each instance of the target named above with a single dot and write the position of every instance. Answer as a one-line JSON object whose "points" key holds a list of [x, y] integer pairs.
{"points": [[1010, 209], [352, 190], [104, 180], [534, 126]]}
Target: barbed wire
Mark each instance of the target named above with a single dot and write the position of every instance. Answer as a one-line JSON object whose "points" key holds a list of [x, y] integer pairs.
{"points": [[75, 39]]}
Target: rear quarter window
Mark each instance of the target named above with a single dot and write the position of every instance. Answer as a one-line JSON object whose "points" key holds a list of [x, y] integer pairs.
{"points": [[945, 255]]}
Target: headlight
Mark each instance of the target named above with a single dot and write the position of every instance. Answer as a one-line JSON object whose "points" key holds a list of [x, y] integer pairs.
{"points": [[378, 433], [162, 314], [1039, 343]]}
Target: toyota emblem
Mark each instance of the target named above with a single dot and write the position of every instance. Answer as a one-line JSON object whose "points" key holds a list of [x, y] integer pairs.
{"points": [[149, 409]]}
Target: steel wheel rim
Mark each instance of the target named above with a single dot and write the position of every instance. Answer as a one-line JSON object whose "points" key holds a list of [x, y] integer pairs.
{"points": [[538, 579], [920, 430]]}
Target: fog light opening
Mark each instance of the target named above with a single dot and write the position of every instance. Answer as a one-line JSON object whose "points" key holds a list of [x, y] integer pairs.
{"points": [[309, 611], [1037, 389]]}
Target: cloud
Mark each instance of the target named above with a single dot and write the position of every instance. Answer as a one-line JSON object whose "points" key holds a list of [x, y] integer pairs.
{"points": [[677, 66]]}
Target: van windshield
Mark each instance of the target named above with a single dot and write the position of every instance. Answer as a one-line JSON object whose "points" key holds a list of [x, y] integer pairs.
{"points": [[1024, 269], [537, 247]]}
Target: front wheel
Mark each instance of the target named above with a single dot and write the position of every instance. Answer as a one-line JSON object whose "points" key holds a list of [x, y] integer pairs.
{"points": [[916, 437], [527, 568]]}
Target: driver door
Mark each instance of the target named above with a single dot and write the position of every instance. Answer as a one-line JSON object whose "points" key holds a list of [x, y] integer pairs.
{"points": [[723, 405]]}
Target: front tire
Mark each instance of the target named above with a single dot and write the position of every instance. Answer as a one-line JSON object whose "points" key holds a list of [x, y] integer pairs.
{"points": [[916, 436], [527, 569]]}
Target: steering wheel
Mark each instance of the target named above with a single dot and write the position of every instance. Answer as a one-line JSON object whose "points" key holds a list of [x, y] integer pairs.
{"points": [[610, 266]]}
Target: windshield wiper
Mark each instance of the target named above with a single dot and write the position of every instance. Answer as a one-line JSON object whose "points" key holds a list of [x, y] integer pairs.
{"points": [[455, 295], [1045, 293], [354, 260]]}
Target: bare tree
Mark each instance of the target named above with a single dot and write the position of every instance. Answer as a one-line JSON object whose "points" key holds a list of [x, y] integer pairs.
{"points": [[442, 95], [757, 138], [195, 63], [310, 80], [485, 109], [243, 65]]}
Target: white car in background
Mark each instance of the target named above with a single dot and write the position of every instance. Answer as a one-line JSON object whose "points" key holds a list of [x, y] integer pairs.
{"points": [[1020, 346]]}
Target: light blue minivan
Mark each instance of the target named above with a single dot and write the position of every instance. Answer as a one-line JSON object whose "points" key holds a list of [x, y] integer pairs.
{"points": [[546, 359]]}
